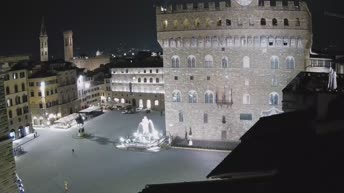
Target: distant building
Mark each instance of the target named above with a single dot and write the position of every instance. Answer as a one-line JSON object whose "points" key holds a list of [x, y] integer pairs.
{"points": [[13, 59], [226, 62], [91, 63], [138, 83], [89, 90], [53, 93]]}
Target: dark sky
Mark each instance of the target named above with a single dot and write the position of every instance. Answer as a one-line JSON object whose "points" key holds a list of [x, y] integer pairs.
{"points": [[104, 24]]}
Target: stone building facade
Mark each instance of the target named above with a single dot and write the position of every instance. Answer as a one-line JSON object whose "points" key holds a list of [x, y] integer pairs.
{"points": [[53, 93], [226, 63], [18, 112], [43, 98], [141, 87], [89, 91], [7, 164], [90, 63]]}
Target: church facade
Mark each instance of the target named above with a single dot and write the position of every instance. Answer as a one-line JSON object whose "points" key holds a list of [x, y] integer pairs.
{"points": [[226, 63]]}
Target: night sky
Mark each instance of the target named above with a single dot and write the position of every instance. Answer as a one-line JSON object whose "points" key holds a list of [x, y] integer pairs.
{"points": [[109, 24]]}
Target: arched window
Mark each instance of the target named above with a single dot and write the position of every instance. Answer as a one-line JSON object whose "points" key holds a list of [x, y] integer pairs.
{"points": [[15, 88], [24, 98], [157, 80], [175, 23], [219, 22], [286, 22], [17, 99], [224, 62], [191, 61], [172, 43], [290, 61], [145, 80], [197, 23], [208, 61], [209, 97], [263, 21], [246, 99], [205, 118], [274, 62], [139, 80], [274, 22], [192, 97], [156, 103], [151, 80], [273, 98], [23, 87], [165, 24], [7, 90], [175, 61], [186, 23], [246, 62], [181, 117], [10, 114], [176, 96]]}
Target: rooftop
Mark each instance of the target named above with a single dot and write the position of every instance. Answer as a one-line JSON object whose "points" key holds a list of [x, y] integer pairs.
{"points": [[314, 82]]}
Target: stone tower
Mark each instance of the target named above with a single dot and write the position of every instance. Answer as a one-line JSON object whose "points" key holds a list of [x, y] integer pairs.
{"points": [[68, 45], [43, 40], [226, 62]]}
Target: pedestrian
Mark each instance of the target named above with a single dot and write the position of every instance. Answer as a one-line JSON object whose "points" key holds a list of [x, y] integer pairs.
{"points": [[73, 150]]}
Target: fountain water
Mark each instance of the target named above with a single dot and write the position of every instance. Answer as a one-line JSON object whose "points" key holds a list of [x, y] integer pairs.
{"points": [[146, 137]]}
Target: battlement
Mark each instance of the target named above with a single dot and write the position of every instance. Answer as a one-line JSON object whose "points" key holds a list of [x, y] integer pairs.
{"points": [[223, 5]]}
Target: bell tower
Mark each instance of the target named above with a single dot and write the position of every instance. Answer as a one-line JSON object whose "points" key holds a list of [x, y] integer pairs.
{"points": [[68, 45], [43, 40]]}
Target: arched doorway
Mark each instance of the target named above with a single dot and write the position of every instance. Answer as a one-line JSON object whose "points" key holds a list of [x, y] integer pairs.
{"points": [[149, 104], [140, 103], [133, 103]]}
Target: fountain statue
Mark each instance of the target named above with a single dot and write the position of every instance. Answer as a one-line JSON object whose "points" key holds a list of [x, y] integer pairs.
{"points": [[146, 137]]}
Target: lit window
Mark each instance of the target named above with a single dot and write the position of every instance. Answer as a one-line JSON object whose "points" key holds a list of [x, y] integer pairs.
{"points": [[290, 61], [191, 61], [246, 100], [274, 62], [209, 97], [246, 62], [176, 96], [208, 61], [192, 97]]}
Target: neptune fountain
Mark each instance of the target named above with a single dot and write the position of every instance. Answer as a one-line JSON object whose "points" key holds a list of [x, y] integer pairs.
{"points": [[146, 138]]}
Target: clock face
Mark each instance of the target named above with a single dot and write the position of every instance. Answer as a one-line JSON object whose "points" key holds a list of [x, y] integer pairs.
{"points": [[244, 2]]}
